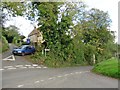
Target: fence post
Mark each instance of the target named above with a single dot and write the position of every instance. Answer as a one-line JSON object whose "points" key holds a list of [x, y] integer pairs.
{"points": [[94, 59]]}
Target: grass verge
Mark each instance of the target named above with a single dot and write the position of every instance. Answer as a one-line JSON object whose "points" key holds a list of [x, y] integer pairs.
{"points": [[108, 67]]}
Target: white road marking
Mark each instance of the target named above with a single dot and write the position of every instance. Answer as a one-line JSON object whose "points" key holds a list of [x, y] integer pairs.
{"points": [[35, 65], [13, 57], [59, 76], [8, 58], [28, 65], [66, 74], [76, 72], [37, 81], [20, 85], [11, 68], [44, 67], [38, 67], [50, 78], [41, 80], [19, 66], [1, 69], [86, 71], [8, 66]]}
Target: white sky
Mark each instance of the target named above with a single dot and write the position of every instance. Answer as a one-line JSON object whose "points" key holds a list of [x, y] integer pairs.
{"points": [[106, 5], [25, 26]]}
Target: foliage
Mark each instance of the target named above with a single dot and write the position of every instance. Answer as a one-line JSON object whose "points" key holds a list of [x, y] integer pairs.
{"points": [[17, 41], [10, 32], [73, 34], [118, 47], [108, 67], [94, 33], [5, 45], [13, 8], [72, 44]]}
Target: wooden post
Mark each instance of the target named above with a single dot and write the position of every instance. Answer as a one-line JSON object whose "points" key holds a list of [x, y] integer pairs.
{"points": [[94, 59]]}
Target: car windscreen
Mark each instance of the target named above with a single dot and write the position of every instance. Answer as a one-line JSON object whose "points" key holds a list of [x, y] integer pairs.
{"points": [[22, 47]]}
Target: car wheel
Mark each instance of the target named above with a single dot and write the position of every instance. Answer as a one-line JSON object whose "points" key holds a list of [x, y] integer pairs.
{"points": [[23, 54]]}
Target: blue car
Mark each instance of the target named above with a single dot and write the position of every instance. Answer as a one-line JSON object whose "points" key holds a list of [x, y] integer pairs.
{"points": [[23, 50]]}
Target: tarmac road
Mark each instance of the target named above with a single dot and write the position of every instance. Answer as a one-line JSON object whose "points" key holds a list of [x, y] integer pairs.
{"points": [[22, 74]]}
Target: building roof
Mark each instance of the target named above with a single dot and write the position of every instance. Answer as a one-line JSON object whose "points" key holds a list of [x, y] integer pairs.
{"points": [[35, 31]]}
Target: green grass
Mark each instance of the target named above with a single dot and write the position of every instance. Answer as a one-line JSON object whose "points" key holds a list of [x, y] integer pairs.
{"points": [[108, 68]]}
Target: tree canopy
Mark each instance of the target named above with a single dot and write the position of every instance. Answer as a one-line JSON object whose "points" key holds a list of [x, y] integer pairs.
{"points": [[73, 34]]}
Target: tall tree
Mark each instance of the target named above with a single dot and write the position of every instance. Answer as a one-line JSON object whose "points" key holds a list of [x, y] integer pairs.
{"points": [[94, 31]]}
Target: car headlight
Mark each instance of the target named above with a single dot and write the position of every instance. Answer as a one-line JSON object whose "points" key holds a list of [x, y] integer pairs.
{"points": [[19, 51]]}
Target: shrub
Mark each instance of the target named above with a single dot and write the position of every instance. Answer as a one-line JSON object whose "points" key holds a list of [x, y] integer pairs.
{"points": [[17, 41], [5, 45], [89, 51]]}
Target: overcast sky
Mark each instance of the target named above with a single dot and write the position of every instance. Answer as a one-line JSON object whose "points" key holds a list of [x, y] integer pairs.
{"points": [[106, 5]]}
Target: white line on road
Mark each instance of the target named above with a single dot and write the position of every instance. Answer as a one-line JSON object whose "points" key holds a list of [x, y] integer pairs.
{"points": [[20, 85], [50, 78], [13, 57], [86, 71], [1, 69], [44, 67], [66, 74], [76, 72], [35, 65], [38, 67], [71, 73], [54, 77], [8, 58], [41, 80], [59, 76], [37, 81], [8, 66], [19, 66], [28, 65]]}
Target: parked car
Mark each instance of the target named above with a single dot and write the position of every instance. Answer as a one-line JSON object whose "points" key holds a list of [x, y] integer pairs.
{"points": [[23, 50]]}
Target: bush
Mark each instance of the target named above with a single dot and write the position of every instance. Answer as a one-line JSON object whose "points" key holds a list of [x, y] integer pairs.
{"points": [[89, 51], [16, 41], [72, 54], [5, 45], [62, 56]]}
